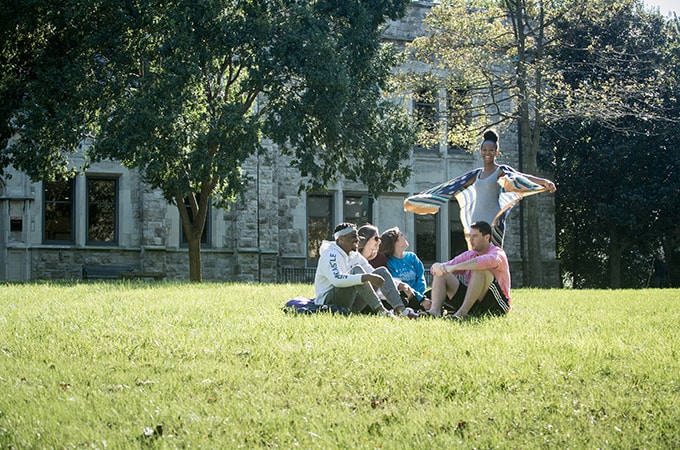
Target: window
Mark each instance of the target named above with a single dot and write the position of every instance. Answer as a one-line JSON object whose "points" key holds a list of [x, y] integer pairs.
{"points": [[102, 210], [458, 243], [58, 211], [425, 116], [319, 223], [426, 238], [459, 117], [358, 209], [16, 219], [206, 229]]}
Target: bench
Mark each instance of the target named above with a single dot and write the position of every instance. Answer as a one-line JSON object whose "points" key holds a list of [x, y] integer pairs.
{"points": [[141, 275], [113, 272], [104, 272], [298, 275]]}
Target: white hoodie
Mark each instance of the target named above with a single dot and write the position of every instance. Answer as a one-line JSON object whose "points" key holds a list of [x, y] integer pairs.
{"points": [[333, 270]]}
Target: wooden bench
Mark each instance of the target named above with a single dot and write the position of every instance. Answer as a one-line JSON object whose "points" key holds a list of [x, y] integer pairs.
{"points": [[141, 275], [106, 272], [113, 272]]}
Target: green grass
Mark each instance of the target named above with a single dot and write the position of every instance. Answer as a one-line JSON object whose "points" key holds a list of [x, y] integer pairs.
{"points": [[135, 365]]}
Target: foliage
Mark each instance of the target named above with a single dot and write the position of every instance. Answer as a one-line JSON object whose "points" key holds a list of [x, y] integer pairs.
{"points": [[186, 91], [126, 365], [495, 53], [618, 177], [584, 74], [36, 57], [613, 195]]}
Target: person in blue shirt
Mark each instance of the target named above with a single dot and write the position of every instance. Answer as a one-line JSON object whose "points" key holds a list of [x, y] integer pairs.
{"points": [[406, 267]]}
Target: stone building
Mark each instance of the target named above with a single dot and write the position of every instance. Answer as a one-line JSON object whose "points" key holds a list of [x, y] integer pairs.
{"points": [[108, 217]]}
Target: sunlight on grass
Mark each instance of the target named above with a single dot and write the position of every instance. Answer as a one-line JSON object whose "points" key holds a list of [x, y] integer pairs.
{"points": [[172, 365]]}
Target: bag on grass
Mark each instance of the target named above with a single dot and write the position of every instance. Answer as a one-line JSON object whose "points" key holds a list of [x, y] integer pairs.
{"points": [[303, 305]]}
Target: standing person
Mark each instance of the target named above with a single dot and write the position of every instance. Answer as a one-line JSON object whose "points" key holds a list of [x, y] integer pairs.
{"points": [[334, 284], [369, 241], [484, 194], [487, 278], [660, 270], [405, 266]]}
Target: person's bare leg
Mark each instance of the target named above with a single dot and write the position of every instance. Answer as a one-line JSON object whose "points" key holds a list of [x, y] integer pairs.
{"points": [[442, 288], [480, 280]]}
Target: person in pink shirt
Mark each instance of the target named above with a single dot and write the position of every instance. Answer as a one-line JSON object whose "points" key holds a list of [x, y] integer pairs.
{"points": [[486, 289]]}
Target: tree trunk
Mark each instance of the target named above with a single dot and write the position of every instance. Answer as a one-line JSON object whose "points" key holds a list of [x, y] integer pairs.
{"points": [[193, 225], [529, 148], [535, 262], [530, 132], [615, 252], [195, 273]]}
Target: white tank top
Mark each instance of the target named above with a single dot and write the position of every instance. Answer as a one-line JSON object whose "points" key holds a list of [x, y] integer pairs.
{"points": [[486, 202]]}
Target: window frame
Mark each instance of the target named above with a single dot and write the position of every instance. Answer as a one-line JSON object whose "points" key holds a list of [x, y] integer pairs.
{"points": [[114, 203], [368, 209], [464, 97], [72, 219], [313, 261], [433, 118], [417, 236]]}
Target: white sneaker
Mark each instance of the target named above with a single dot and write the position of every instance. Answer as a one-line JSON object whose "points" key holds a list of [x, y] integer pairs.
{"points": [[387, 313], [409, 313]]}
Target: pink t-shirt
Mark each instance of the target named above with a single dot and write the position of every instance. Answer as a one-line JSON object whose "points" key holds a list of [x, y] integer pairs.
{"points": [[495, 260]]}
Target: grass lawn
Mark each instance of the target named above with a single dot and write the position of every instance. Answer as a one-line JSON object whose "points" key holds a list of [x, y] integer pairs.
{"points": [[172, 365]]}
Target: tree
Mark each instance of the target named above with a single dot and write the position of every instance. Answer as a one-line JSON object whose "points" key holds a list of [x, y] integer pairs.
{"points": [[495, 52], [185, 91], [619, 176], [503, 53]]}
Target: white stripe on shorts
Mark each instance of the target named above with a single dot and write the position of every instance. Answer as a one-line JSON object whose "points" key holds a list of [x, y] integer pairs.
{"points": [[498, 295]]}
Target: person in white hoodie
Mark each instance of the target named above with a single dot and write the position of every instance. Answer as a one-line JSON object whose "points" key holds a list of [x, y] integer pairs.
{"points": [[335, 284]]}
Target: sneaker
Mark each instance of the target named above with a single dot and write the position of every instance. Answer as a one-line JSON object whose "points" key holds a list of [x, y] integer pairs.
{"points": [[453, 318], [409, 313], [387, 313]]}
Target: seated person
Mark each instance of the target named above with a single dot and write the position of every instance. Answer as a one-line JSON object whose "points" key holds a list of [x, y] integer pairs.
{"points": [[406, 267], [369, 240], [333, 282], [487, 278], [379, 260]]}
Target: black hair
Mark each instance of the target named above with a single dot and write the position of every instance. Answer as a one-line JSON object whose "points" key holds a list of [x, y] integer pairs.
{"points": [[365, 233], [482, 226], [491, 135], [343, 225]]}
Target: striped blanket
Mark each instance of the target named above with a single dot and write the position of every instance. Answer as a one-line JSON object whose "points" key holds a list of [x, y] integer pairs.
{"points": [[514, 187]]}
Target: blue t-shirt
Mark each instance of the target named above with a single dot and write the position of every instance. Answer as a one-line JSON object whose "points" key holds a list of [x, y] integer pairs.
{"points": [[410, 270]]}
